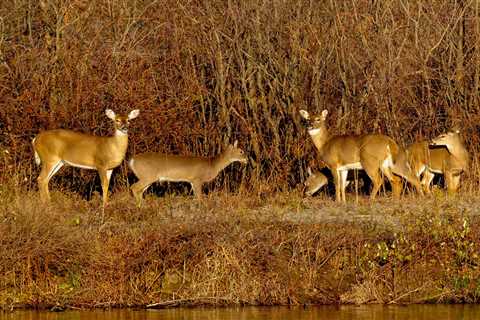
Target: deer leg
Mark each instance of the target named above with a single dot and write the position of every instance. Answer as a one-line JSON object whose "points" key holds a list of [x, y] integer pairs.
{"points": [[455, 183], [138, 188], [105, 180], [397, 186], [427, 180], [197, 189], [452, 182], [376, 178], [49, 169], [404, 171], [414, 181], [338, 184], [395, 181], [343, 183], [419, 170]]}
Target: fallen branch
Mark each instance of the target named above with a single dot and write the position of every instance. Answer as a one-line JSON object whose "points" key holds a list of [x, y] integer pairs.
{"points": [[177, 302]]}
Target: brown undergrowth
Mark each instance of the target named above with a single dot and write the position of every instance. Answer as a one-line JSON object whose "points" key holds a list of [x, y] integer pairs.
{"points": [[204, 73], [233, 249]]}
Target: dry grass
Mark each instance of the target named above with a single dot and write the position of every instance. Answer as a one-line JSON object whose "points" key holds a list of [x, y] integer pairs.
{"points": [[236, 250]]}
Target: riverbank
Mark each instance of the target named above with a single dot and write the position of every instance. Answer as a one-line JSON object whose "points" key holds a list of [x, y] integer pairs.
{"points": [[331, 312], [280, 249]]}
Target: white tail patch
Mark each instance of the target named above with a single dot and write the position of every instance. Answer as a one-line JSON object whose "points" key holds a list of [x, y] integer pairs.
{"points": [[388, 162], [38, 161]]}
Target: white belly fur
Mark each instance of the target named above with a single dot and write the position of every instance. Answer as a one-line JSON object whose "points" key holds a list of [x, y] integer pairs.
{"points": [[351, 166], [160, 179], [78, 165]]}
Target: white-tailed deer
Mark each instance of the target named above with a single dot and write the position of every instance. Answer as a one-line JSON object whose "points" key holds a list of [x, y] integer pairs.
{"points": [[56, 148], [151, 167], [451, 160], [376, 154], [315, 181]]}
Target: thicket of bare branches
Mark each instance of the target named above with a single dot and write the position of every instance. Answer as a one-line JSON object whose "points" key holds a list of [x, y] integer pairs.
{"points": [[206, 72]]}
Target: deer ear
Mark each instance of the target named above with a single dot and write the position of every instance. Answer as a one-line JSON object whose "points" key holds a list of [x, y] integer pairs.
{"points": [[304, 114], [235, 143], [133, 114], [324, 114], [110, 114], [309, 171]]}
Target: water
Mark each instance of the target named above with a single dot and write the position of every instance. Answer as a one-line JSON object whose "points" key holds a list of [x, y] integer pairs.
{"points": [[417, 312]]}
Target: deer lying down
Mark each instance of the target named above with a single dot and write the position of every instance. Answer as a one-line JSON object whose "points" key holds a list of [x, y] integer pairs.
{"points": [[151, 167]]}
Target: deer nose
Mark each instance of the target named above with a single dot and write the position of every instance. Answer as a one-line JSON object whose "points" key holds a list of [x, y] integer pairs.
{"points": [[123, 128]]}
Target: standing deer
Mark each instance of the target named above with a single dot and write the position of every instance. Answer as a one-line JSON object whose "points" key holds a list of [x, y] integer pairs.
{"points": [[56, 148], [451, 160], [151, 167], [376, 154]]}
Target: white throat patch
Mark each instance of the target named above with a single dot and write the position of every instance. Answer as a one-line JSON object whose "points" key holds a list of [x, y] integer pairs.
{"points": [[314, 132], [120, 133]]}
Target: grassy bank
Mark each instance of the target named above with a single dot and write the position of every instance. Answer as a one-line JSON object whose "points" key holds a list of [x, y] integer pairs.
{"points": [[236, 250]]}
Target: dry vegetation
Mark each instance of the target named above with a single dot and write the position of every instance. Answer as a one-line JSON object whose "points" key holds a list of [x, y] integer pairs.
{"points": [[226, 250], [204, 73]]}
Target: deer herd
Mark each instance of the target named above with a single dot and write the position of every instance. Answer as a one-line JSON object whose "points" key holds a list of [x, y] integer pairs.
{"points": [[378, 155]]}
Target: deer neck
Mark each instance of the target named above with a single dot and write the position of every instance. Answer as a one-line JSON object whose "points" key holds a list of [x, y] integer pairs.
{"points": [[220, 162], [319, 137], [459, 151], [120, 139]]}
